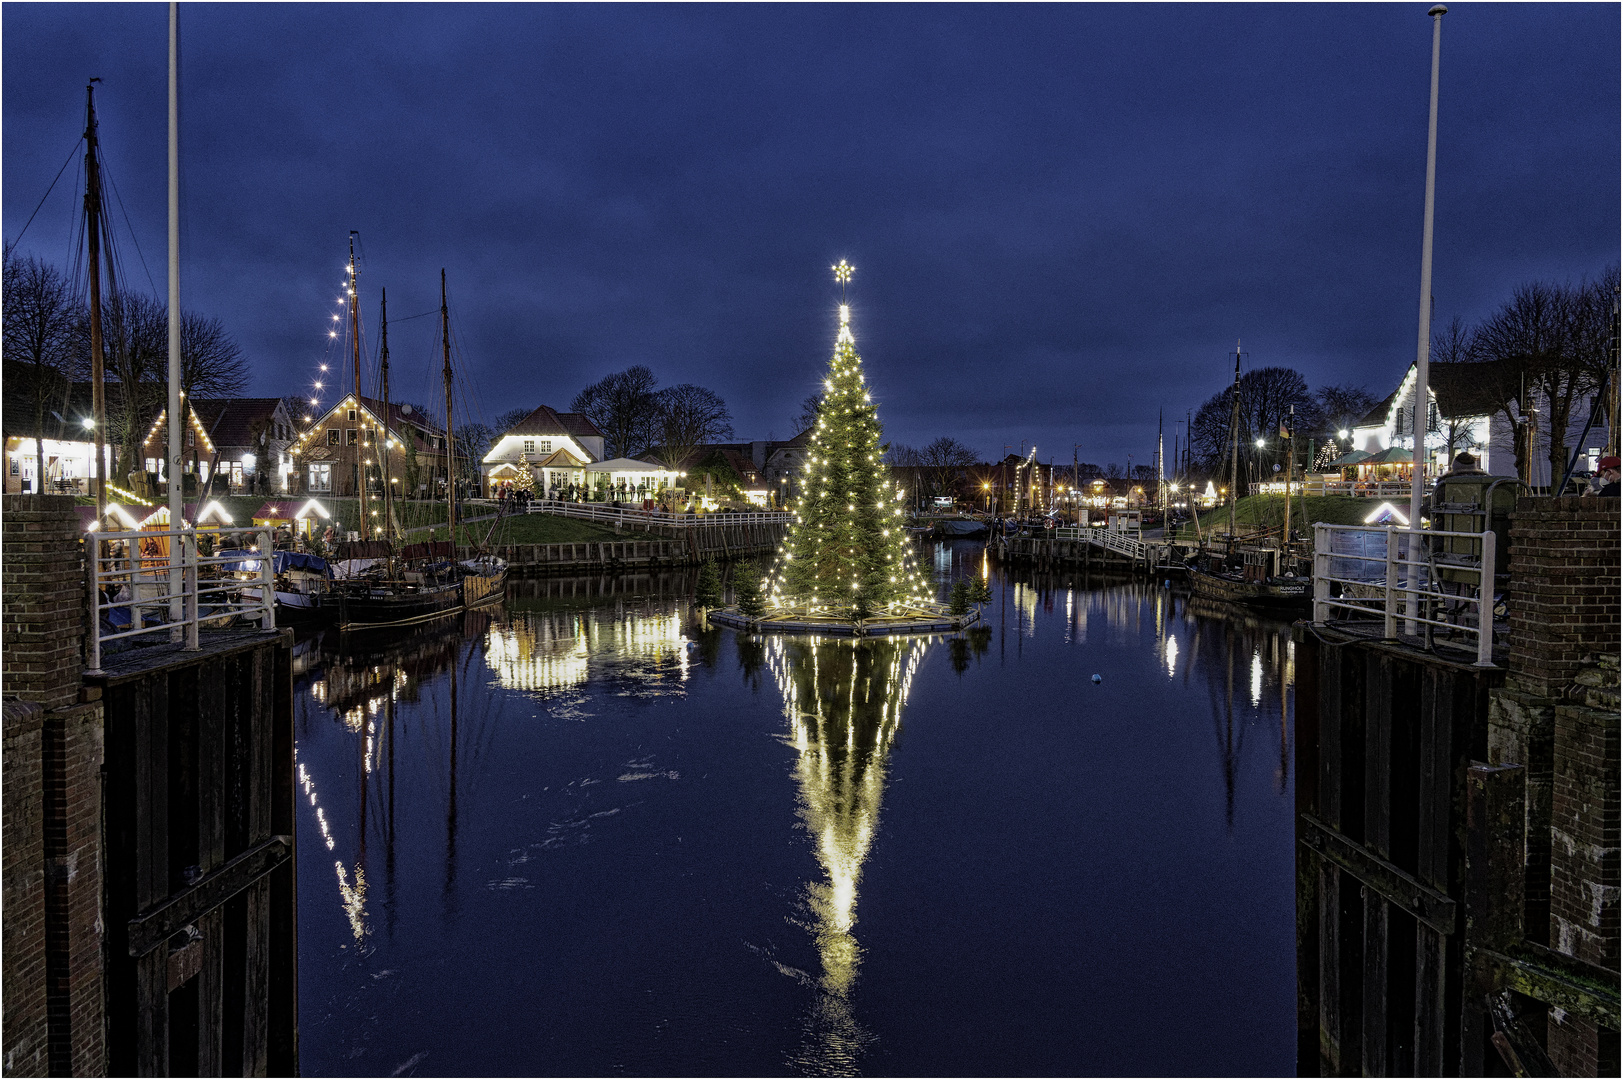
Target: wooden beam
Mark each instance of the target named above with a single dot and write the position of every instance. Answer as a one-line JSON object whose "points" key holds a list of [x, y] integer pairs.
{"points": [[1565, 982], [1400, 889], [152, 928]]}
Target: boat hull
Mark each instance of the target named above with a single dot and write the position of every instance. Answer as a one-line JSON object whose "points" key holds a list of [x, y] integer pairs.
{"points": [[480, 589], [362, 607], [1257, 594]]}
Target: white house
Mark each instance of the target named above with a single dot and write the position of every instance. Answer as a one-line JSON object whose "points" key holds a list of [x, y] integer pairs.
{"points": [[1470, 412], [553, 447]]}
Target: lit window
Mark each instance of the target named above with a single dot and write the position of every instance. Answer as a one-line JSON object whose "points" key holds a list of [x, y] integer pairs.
{"points": [[332, 436]]}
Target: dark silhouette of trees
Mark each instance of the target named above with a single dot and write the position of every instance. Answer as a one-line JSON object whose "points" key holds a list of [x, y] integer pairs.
{"points": [[1266, 397], [689, 417], [38, 321], [625, 408]]}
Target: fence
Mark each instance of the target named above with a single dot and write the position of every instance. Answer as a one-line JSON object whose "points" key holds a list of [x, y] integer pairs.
{"points": [[1120, 542], [1369, 563], [151, 582], [1361, 489], [620, 515]]}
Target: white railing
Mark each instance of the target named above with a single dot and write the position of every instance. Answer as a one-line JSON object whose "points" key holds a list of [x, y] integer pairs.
{"points": [[130, 574], [1388, 573], [1120, 542], [627, 516], [1362, 489]]}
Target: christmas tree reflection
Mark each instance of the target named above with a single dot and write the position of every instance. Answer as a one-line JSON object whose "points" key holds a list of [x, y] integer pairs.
{"points": [[843, 699]]}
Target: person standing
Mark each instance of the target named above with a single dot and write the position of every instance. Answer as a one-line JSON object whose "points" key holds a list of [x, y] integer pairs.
{"points": [[1609, 474]]}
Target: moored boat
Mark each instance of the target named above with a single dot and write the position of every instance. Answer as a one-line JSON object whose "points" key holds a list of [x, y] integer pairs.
{"points": [[302, 585], [1250, 584]]}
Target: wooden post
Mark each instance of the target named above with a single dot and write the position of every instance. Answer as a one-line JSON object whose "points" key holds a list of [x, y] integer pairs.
{"points": [[1495, 866]]}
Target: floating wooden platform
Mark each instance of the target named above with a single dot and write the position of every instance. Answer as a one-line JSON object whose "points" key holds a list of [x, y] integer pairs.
{"points": [[921, 622]]}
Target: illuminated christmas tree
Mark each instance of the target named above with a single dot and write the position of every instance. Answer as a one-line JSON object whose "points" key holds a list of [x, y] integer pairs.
{"points": [[846, 552]]}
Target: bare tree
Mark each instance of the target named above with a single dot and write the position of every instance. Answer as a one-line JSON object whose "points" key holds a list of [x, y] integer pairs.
{"points": [[135, 337], [38, 328], [944, 462], [689, 417], [625, 408], [807, 416], [1266, 397], [508, 420], [211, 364], [1548, 341], [1337, 408]]}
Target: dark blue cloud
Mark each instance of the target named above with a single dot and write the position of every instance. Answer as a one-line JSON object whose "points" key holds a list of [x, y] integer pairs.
{"points": [[1061, 216]]}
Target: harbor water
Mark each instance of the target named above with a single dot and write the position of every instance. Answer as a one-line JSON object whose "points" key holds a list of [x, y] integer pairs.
{"points": [[582, 833]]}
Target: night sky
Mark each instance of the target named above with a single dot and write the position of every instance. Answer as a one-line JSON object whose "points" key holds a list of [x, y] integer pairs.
{"points": [[1062, 218]]}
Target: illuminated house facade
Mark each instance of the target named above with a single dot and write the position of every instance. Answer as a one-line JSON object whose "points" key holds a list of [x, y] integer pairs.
{"points": [[326, 456], [553, 447], [1471, 412], [242, 443]]}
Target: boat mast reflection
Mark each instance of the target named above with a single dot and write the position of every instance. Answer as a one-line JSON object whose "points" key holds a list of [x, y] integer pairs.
{"points": [[843, 700]]}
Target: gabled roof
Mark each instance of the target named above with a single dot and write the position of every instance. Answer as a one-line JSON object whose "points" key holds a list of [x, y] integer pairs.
{"points": [[1470, 388], [546, 421], [231, 421], [561, 458]]}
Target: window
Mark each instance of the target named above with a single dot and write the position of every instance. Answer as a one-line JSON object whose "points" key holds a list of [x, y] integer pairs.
{"points": [[351, 416], [236, 474], [546, 446], [371, 436], [529, 446], [332, 436], [349, 436], [321, 476]]}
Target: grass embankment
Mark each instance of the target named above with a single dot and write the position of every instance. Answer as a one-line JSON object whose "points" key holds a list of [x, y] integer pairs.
{"points": [[1268, 512]]}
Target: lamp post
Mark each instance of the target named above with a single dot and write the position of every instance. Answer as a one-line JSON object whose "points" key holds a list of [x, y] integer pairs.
{"points": [[1417, 483]]}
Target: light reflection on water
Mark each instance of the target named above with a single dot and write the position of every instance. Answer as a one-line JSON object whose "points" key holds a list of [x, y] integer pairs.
{"points": [[505, 803]]}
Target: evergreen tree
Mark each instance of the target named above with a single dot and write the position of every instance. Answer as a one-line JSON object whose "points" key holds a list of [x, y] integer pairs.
{"points": [[958, 599], [747, 590], [707, 594], [980, 592], [846, 549]]}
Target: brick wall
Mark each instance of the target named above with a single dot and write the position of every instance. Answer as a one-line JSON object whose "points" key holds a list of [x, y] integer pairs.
{"points": [[52, 799], [22, 839], [72, 759], [1558, 714], [1564, 566], [44, 599]]}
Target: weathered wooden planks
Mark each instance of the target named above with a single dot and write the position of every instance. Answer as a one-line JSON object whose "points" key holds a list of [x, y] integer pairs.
{"points": [[200, 903]]}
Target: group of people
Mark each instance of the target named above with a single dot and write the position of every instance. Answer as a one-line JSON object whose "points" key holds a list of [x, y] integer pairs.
{"points": [[513, 500]]}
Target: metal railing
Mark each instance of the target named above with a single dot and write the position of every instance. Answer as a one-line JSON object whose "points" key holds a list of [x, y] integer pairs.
{"points": [[147, 582], [1406, 575], [625, 515], [1120, 542], [1362, 489]]}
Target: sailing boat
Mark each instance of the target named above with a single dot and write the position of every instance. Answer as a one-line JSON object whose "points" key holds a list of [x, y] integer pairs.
{"points": [[484, 575], [417, 583], [1253, 576]]}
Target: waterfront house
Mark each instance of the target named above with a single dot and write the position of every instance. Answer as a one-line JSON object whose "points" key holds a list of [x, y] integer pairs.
{"points": [[327, 454], [241, 444], [554, 448], [1475, 407], [68, 442]]}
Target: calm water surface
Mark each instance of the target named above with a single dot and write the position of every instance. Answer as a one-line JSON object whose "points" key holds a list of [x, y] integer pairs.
{"points": [[581, 834]]}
